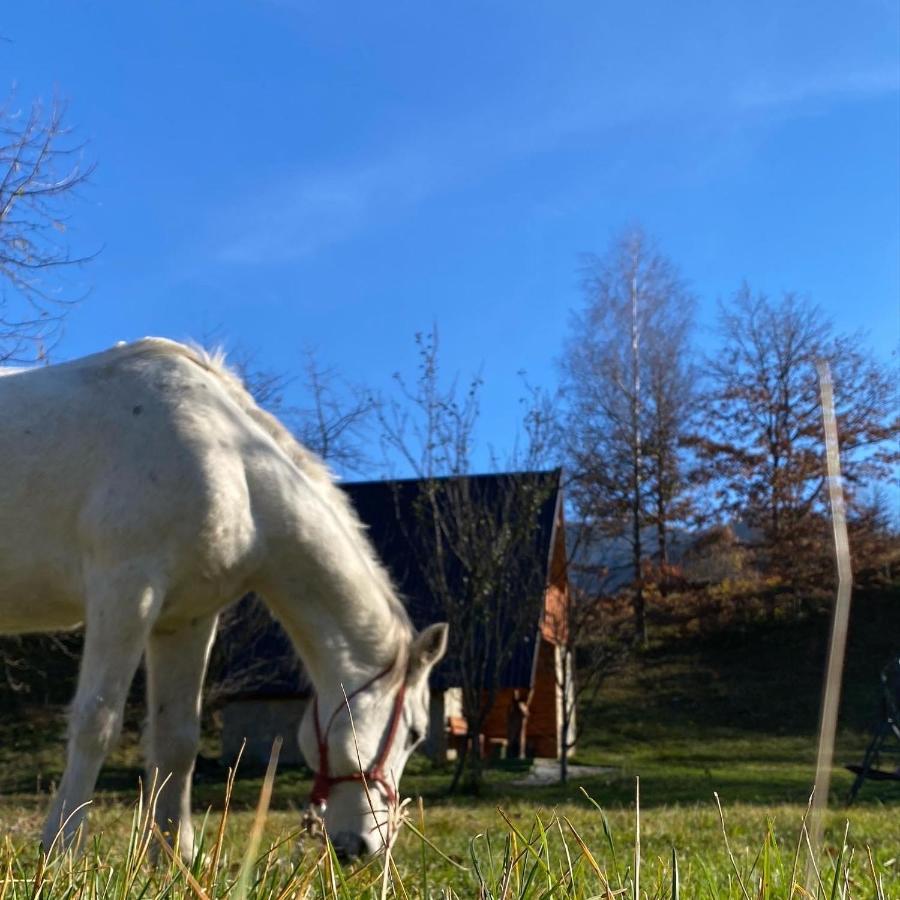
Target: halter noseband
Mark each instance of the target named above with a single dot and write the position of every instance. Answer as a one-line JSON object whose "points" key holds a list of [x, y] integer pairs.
{"points": [[324, 780]]}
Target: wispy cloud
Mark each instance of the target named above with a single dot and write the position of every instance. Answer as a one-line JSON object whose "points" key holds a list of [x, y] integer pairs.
{"points": [[302, 213], [829, 86], [314, 208]]}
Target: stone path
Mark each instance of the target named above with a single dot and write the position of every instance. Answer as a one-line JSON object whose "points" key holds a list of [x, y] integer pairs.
{"points": [[546, 771]]}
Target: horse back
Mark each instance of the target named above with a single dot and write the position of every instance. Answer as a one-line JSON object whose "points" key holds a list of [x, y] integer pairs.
{"points": [[117, 457]]}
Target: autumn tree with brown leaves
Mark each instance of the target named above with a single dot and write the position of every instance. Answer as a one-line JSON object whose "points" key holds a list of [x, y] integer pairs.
{"points": [[763, 431]]}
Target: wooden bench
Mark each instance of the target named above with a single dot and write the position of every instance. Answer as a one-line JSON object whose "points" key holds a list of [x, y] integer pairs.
{"points": [[458, 731]]}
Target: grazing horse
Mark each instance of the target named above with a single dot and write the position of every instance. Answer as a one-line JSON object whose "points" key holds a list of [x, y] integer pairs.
{"points": [[141, 491]]}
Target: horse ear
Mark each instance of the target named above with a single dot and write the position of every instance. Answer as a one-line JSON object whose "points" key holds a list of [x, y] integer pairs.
{"points": [[429, 646]]}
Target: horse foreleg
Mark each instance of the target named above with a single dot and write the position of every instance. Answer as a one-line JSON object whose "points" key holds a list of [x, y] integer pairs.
{"points": [[176, 665], [120, 609]]}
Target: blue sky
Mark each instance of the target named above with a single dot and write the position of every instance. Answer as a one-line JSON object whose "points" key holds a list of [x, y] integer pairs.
{"points": [[293, 174]]}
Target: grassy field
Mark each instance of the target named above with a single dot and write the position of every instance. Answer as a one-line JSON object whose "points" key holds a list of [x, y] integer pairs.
{"points": [[732, 712]]}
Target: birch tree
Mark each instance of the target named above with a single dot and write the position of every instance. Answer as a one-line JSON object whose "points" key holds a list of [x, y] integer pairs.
{"points": [[629, 385]]}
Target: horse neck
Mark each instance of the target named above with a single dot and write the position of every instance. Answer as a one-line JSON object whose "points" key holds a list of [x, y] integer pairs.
{"points": [[334, 600], [342, 640]]}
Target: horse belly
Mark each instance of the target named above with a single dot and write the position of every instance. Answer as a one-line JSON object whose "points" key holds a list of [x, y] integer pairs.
{"points": [[37, 604], [40, 561]]}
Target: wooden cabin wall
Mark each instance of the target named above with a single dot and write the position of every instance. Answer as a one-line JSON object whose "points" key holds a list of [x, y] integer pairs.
{"points": [[556, 599], [542, 737], [543, 733]]}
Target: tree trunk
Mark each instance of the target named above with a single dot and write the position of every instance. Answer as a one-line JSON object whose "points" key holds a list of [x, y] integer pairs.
{"points": [[566, 719], [476, 763], [564, 745], [459, 768], [662, 531], [640, 622]]}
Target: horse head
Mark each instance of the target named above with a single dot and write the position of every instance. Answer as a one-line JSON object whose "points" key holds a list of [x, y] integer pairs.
{"points": [[360, 750]]}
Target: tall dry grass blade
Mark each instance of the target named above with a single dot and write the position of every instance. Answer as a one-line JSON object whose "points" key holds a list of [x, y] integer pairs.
{"points": [[845, 889], [526, 842], [831, 695], [385, 872], [259, 821], [637, 838], [565, 844], [476, 865], [384, 838], [514, 854], [301, 887], [422, 849], [39, 876], [509, 868], [213, 869], [176, 861], [794, 885], [8, 876], [545, 847], [734, 864], [397, 879], [62, 826], [607, 832], [586, 853], [426, 840], [814, 866], [879, 890], [332, 867], [143, 834], [836, 881]]}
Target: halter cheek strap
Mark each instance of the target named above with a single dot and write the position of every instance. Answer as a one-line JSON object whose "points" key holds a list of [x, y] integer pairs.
{"points": [[324, 780]]}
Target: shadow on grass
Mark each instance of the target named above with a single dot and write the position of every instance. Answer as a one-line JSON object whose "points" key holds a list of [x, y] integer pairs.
{"points": [[735, 713]]}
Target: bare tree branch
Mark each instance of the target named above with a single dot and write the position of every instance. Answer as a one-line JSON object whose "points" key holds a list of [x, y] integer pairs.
{"points": [[41, 169], [473, 539]]}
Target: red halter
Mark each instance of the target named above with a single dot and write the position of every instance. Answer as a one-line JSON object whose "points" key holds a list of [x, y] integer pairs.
{"points": [[324, 781]]}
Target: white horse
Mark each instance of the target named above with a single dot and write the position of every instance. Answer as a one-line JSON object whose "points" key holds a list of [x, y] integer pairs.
{"points": [[141, 491]]}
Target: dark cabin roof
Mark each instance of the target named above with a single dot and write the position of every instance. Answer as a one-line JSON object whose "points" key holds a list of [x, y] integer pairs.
{"points": [[388, 510]]}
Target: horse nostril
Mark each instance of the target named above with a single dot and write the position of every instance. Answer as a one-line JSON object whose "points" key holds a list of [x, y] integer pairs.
{"points": [[349, 846]]}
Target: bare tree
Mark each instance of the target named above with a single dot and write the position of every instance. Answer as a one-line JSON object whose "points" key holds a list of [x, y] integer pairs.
{"points": [[628, 382], [671, 405], [764, 427], [333, 418], [591, 648], [429, 426], [475, 540], [41, 168]]}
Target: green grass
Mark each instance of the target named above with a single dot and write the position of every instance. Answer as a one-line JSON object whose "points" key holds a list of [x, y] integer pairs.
{"points": [[732, 711], [532, 850]]}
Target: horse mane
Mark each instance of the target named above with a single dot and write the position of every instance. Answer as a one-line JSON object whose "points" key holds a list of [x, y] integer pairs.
{"points": [[309, 464]]}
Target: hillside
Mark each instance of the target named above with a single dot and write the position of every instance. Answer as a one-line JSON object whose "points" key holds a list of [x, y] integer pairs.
{"points": [[735, 711]]}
